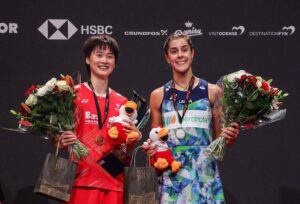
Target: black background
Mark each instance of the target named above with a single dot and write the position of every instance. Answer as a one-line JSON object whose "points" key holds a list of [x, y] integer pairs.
{"points": [[263, 165]]}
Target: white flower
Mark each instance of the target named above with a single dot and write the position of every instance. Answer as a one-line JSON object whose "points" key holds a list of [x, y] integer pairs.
{"points": [[48, 87], [42, 91], [50, 84], [62, 85], [258, 84], [235, 75], [274, 105], [31, 100], [259, 81], [259, 78]]}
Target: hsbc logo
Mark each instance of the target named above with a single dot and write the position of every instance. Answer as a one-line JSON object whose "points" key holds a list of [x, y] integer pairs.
{"points": [[63, 29], [57, 29]]}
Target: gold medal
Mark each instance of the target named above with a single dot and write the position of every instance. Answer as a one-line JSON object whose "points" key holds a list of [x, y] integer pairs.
{"points": [[100, 140]]}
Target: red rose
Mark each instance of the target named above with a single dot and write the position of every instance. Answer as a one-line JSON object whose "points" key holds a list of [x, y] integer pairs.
{"points": [[266, 86], [55, 89], [243, 77], [279, 104], [252, 80], [30, 90], [274, 91]]}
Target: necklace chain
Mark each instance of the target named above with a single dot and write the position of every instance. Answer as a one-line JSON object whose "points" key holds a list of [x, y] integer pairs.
{"points": [[186, 101], [185, 88]]}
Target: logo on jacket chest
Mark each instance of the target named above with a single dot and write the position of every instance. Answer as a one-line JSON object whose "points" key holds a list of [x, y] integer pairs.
{"points": [[84, 100], [192, 118], [117, 107], [92, 118]]}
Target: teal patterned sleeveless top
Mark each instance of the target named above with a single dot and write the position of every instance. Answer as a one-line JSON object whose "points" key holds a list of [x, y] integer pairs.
{"points": [[198, 180]]}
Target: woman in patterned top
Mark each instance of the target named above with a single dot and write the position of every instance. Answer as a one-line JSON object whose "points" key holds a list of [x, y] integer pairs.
{"points": [[184, 105]]}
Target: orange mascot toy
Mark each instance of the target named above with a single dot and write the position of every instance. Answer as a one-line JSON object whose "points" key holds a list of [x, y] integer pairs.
{"points": [[163, 157], [127, 111]]}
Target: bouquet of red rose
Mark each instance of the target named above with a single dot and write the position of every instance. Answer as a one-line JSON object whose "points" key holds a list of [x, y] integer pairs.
{"points": [[49, 110], [247, 100]]}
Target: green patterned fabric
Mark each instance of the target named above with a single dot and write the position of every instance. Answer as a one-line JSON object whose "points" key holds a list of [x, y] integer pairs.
{"points": [[198, 180]]}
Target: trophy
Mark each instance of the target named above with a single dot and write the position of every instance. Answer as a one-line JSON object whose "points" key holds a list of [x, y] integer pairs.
{"points": [[143, 110]]}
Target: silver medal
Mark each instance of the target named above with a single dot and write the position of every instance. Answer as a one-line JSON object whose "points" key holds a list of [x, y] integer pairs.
{"points": [[180, 133]]}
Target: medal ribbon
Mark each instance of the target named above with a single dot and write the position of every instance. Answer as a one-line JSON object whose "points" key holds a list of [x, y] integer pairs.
{"points": [[186, 101], [100, 122]]}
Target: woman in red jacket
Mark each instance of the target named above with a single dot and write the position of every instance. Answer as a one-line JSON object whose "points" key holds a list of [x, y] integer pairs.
{"points": [[96, 102]]}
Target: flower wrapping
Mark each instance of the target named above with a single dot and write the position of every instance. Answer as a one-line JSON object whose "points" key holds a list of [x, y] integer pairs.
{"points": [[247, 100], [49, 110]]}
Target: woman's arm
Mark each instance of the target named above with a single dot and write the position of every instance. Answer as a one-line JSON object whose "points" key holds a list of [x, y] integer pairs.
{"points": [[232, 131], [156, 98], [213, 93]]}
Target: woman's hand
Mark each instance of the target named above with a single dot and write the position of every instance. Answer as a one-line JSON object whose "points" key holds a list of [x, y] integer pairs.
{"points": [[149, 148], [231, 133], [67, 138]]}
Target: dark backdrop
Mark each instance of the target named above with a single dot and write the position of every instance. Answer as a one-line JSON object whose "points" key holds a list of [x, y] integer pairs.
{"points": [[257, 35]]}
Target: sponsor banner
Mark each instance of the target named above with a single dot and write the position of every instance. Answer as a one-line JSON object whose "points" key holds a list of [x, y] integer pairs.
{"points": [[235, 31], [162, 32], [189, 30], [64, 29], [285, 31], [8, 28], [192, 118]]}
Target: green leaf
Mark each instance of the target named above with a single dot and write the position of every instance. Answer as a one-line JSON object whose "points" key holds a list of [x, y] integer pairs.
{"points": [[280, 92], [270, 81], [253, 97], [250, 105]]}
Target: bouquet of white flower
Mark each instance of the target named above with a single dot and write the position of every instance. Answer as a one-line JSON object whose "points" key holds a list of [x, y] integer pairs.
{"points": [[49, 110]]}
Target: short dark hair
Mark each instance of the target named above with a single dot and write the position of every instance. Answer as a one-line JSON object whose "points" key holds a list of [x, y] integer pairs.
{"points": [[175, 36], [101, 42]]}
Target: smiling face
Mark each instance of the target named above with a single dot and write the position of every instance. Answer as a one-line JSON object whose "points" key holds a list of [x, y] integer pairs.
{"points": [[101, 62], [179, 55], [101, 54]]}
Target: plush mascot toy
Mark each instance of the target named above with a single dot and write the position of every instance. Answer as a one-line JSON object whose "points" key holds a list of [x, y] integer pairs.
{"points": [[163, 157], [127, 111]]}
